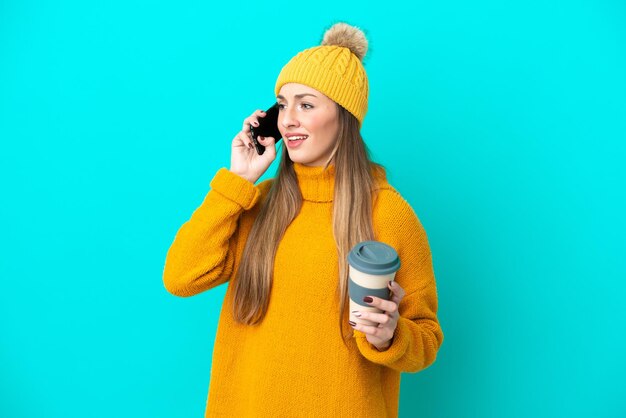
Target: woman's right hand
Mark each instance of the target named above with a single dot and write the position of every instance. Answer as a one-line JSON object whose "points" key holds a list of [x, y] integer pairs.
{"points": [[244, 159]]}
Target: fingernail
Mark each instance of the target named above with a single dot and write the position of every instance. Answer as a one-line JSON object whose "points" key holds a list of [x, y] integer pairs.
{"points": [[352, 323], [368, 299], [357, 314]]}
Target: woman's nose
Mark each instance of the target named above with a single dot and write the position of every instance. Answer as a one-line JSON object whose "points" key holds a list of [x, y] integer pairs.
{"points": [[289, 118]]}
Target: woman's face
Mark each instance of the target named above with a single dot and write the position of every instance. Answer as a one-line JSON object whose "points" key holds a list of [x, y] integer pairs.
{"points": [[304, 111]]}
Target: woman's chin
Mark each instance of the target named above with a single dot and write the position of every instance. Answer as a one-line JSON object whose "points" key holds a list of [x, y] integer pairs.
{"points": [[305, 159], [299, 158]]}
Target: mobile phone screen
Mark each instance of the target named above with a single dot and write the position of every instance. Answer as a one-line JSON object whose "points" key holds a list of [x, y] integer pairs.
{"points": [[268, 126]]}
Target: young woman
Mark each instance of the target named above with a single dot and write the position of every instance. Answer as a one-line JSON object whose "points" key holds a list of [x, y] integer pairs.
{"points": [[284, 346]]}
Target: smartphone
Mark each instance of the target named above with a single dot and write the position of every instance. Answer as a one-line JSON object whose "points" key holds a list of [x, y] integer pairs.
{"points": [[268, 126]]}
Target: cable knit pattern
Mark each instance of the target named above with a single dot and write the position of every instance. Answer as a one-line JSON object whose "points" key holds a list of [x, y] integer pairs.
{"points": [[294, 364]]}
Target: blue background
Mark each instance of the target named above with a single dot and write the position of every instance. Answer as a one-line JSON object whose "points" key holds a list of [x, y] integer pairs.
{"points": [[502, 123]]}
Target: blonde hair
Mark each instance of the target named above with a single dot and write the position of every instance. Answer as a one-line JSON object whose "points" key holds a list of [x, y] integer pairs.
{"points": [[353, 200]]}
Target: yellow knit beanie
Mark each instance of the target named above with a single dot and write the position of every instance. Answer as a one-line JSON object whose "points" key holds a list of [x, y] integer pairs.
{"points": [[334, 68]]}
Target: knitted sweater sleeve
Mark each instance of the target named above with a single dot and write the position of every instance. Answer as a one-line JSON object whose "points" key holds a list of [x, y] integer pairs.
{"points": [[418, 335], [205, 248]]}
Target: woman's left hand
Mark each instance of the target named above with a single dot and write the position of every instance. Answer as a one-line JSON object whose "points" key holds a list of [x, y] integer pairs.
{"points": [[380, 336]]}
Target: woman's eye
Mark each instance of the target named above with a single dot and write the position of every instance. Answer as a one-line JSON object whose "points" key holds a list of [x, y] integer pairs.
{"points": [[304, 105]]}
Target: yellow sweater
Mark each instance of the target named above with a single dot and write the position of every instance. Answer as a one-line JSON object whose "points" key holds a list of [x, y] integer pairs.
{"points": [[294, 364]]}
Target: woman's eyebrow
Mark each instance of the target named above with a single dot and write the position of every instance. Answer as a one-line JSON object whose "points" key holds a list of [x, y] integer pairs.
{"points": [[297, 96]]}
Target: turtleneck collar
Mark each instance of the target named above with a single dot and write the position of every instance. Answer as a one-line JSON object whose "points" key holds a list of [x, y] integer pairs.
{"points": [[316, 183]]}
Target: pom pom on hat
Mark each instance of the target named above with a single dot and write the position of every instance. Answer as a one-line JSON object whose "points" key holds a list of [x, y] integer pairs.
{"points": [[351, 37], [334, 68]]}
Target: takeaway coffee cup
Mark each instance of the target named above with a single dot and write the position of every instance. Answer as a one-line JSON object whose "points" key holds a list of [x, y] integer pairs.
{"points": [[372, 264]]}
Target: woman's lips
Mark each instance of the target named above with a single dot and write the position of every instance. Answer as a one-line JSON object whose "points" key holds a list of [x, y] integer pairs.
{"points": [[294, 143]]}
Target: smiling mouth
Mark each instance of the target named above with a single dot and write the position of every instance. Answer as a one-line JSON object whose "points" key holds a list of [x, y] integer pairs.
{"points": [[297, 138]]}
